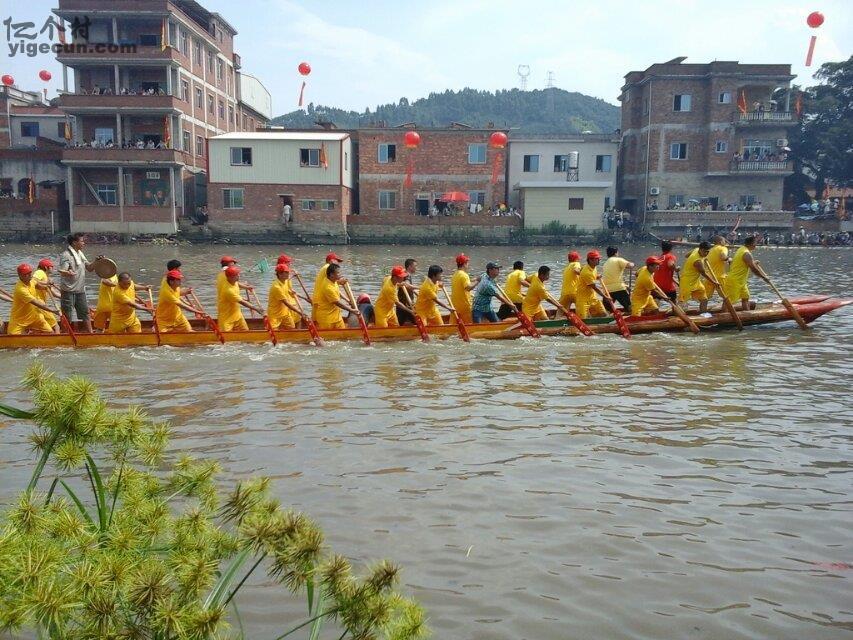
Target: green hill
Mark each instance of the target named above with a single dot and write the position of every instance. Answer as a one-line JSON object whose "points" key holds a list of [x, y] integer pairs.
{"points": [[540, 111]]}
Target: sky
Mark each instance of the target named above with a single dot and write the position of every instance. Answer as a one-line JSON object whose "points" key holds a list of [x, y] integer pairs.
{"points": [[369, 52]]}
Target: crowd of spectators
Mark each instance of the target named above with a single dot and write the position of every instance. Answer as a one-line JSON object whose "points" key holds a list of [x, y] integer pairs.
{"points": [[135, 143], [108, 91]]}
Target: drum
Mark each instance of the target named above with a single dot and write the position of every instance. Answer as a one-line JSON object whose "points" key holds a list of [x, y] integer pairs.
{"points": [[104, 267]]}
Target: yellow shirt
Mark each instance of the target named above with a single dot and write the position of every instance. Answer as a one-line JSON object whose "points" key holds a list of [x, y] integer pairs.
{"points": [[587, 277], [570, 279], [23, 312], [40, 277], [643, 287], [105, 295], [168, 311], [385, 302], [326, 296], [739, 271], [691, 278], [280, 292], [319, 281], [717, 261], [425, 305], [221, 281], [611, 273], [123, 314], [513, 285], [461, 298], [536, 293], [228, 304]]}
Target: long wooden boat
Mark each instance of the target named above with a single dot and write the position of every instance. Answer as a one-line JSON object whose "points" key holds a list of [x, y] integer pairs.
{"points": [[810, 309]]}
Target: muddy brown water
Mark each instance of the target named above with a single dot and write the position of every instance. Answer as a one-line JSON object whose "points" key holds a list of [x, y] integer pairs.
{"points": [[670, 486]]}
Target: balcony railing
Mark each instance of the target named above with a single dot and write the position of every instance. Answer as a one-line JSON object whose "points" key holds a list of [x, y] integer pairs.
{"points": [[778, 117], [116, 155], [761, 166], [92, 102]]}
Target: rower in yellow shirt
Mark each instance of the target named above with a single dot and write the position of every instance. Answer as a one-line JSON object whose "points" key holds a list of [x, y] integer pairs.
{"points": [[718, 257], [170, 306], [427, 303], [228, 303], [461, 286], [645, 289], [320, 280], [297, 315], [536, 294], [691, 285], [385, 307], [105, 302], [282, 306], [327, 296], [27, 314], [569, 290], [123, 318], [587, 302], [44, 287], [515, 280], [743, 263]]}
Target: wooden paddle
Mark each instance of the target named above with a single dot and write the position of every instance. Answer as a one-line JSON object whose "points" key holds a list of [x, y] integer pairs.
{"points": [[719, 289], [211, 323], [154, 317], [312, 327], [302, 284], [361, 321], [463, 332], [525, 321], [624, 331], [677, 310], [785, 302], [249, 300], [62, 317], [419, 322], [574, 318]]}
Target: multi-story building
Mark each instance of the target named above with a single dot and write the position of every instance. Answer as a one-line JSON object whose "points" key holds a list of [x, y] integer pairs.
{"points": [[714, 133], [456, 158], [152, 81]]}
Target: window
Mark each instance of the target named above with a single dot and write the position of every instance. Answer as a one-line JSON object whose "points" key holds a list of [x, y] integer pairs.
{"points": [[219, 73], [232, 198], [103, 135], [327, 205], [185, 91], [756, 149], [231, 114], [575, 204], [308, 205], [107, 193], [185, 45], [149, 39], [30, 129], [387, 199], [199, 146], [531, 164], [222, 110], [477, 197], [241, 156], [187, 141], [197, 45], [678, 151], [561, 164], [210, 104], [476, 154], [676, 201], [725, 97], [199, 99], [603, 164], [721, 146], [606, 202], [309, 157], [387, 153], [210, 62], [747, 200], [681, 102]]}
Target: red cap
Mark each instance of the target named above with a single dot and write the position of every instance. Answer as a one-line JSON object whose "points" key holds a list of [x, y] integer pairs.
{"points": [[653, 260], [45, 263], [574, 256], [593, 255], [225, 260], [232, 271], [363, 298], [398, 272], [333, 256], [462, 259], [284, 259], [174, 274], [24, 268], [282, 267]]}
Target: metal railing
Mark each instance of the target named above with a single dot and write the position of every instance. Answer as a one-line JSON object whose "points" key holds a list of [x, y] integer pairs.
{"points": [[764, 116], [741, 166]]}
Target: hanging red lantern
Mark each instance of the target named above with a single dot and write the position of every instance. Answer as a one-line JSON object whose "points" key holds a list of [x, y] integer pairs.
{"points": [[45, 75], [8, 80], [815, 19], [412, 139], [498, 140], [304, 69]]}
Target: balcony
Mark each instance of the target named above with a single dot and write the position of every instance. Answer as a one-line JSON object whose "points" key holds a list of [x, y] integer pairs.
{"points": [[761, 167], [101, 52], [775, 118], [125, 157], [82, 103]]}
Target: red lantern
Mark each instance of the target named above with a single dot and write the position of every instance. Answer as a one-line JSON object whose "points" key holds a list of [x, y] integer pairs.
{"points": [[8, 80], [304, 68], [44, 74], [412, 139], [498, 139], [815, 19]]}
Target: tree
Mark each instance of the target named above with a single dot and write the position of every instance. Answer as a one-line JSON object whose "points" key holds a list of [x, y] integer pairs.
{"points": [[822, 146]]}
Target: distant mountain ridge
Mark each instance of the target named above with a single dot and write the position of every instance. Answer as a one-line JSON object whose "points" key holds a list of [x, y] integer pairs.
{"points": [[540, 111]]}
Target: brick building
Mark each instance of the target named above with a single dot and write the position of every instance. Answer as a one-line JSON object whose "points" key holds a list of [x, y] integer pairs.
{"points": [[141, 107], [456, 158], [715, 132]]}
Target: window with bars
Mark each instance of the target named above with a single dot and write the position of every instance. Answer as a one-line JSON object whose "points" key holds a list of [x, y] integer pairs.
{"points": [[232, 198], [387, 199], [575, 204]]}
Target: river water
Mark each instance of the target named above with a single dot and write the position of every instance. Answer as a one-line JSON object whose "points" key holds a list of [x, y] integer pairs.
{"points": [[670, 486]]}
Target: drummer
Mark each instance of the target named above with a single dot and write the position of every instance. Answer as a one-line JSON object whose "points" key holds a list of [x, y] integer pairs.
{"points": [[44, 288], [73, 266]]}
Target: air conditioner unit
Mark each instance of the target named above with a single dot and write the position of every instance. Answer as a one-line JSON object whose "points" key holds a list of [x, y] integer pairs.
{"points": [[782, 142], [654, 191]]}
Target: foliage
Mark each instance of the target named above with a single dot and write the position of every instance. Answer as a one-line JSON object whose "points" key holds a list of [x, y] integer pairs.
{"points": [[557, 228], [135, 553], [541, 111], [822, 145]]}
